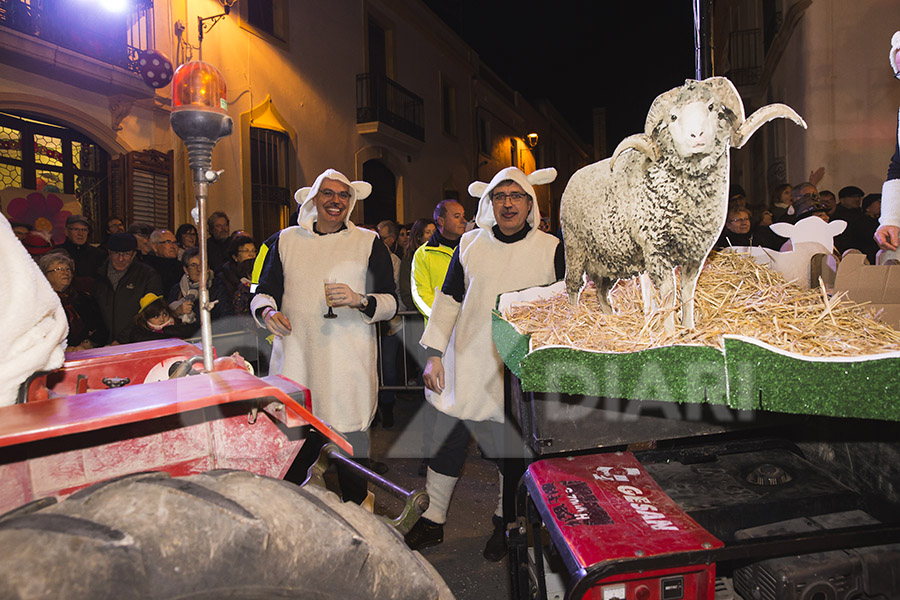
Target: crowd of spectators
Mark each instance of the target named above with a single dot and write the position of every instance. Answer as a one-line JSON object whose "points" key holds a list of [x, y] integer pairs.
{"points": [[747, 223], [141, 283]]}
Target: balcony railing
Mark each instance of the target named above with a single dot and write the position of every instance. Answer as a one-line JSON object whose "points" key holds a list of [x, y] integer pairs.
{"points": [[381, 99], [745, 57], [115, 39]]}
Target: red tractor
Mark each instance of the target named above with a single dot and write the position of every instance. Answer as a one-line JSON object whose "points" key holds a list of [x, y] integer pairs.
{"points": [[171, 480]]}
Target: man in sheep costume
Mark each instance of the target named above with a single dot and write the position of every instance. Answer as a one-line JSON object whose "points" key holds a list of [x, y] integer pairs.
{"points": [[33, 323], [335, 358], [888, 234], [464, 373]]}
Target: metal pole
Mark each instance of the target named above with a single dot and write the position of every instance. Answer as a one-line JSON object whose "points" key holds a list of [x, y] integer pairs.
{"points": [[202, 190], [698, 62]]}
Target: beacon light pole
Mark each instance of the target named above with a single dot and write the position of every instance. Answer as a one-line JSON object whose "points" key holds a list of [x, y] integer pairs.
{"points": [[199, 119]]}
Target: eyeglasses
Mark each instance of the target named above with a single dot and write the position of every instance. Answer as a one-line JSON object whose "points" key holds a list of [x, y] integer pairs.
{"points": [[741, 220], [330, 194], [253, 252], [167, 242], [193, 266], [60, 270], [515, 197]]}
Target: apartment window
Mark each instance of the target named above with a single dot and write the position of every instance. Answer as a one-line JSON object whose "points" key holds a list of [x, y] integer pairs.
{"points": [[448, 108], [270, 194], [513, 153], [267, 18], [142, 188], [36, 154]]}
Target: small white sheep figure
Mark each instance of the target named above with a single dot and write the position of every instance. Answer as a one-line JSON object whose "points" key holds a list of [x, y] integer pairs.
{"points": [[660, 201], [809, 238]]}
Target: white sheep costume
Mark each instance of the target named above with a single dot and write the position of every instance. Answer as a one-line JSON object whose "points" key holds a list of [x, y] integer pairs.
{"points": [[890, 191], [33, 321], [473, 370], [334, 358]]}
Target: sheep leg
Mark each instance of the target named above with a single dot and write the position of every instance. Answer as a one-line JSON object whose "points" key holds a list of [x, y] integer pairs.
{"points": [[574, 273], [604, 284], [664, 279], [689, 275], [646, 293]]}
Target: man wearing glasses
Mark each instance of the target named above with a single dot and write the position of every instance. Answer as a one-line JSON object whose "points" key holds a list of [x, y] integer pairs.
{"points": [[327, 264], [121, 283], [164, 257], [464, 372], [87, 258]]}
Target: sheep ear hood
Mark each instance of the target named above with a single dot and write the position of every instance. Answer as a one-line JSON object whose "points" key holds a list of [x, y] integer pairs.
{"points": [[485, 216], [359, 190], [895, 49]]}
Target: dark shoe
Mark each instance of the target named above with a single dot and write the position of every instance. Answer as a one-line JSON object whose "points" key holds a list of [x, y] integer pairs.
{"points": [[495, 549], [424, 534]]}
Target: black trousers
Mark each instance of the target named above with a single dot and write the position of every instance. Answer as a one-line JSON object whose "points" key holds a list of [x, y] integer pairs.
{"points": [[353, 488]]}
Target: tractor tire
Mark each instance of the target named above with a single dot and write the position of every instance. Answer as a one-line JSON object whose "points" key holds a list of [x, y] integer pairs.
{"points": [[220, 534]]}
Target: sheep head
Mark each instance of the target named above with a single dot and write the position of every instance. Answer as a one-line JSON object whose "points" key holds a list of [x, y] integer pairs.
{"points": [[700, 118]]}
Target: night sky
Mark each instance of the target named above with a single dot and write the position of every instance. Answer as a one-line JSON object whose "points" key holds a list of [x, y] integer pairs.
{"points": [[581, 54]]}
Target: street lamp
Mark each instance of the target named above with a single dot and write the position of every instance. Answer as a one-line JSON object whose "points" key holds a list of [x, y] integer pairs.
{"points": [[200, 120], [532, 139]]}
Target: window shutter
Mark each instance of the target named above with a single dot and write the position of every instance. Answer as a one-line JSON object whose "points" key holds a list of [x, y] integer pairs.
{"points": [[144, 188]]}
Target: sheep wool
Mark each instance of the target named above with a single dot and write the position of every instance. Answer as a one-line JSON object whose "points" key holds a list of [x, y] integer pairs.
{"points": [[33, 323], [660, 201]]}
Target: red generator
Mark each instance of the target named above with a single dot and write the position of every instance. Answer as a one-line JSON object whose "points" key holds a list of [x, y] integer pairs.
{"points": [[641, 505]]}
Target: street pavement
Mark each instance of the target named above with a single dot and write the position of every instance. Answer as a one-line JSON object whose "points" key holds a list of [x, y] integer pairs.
{"points": [[459, 561]]}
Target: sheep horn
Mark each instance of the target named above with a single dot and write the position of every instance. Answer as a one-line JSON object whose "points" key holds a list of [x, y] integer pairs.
{"points": [[762, 116], [658, 109], [728, 95], [640, 142]]}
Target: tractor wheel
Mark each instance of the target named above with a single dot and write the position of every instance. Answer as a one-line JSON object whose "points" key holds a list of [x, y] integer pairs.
{"points": [[220, 534]]}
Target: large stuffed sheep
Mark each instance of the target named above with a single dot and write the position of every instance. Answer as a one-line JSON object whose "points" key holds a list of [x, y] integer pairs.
{"points": [[660, 201]]}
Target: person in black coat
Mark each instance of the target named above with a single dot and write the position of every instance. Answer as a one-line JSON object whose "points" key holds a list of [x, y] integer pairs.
{"points": [[86, 328], [231, 286], [87, 258], [121, 283]]}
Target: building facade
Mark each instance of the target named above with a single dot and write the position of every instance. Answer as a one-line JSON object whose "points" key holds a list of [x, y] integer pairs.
{"points": [[827, 59], [379, 89]]}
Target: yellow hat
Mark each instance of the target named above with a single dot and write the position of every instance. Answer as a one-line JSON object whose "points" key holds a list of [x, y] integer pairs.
{"points": [[147, 299]]}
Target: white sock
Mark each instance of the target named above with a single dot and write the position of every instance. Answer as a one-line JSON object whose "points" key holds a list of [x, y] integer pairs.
{"points": [[440, 489]]}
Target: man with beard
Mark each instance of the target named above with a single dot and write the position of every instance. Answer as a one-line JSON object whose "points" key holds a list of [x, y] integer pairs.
{"points": [[326, 263]]}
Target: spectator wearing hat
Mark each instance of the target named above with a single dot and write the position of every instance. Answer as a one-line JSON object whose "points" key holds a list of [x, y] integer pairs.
{"points": [[156, 321], [37, 244], [121, 283], [87, 258]]}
